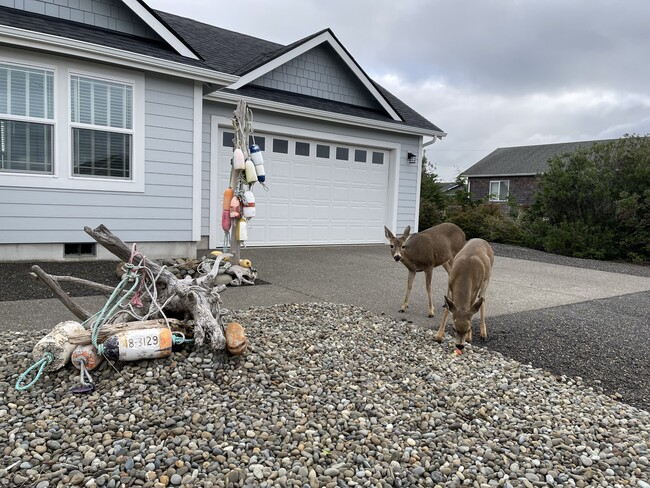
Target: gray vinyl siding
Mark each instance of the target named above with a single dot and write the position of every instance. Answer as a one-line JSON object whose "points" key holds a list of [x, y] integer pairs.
{"points": [[162, 213], [108, 14], [407, 186], [320, 72]]}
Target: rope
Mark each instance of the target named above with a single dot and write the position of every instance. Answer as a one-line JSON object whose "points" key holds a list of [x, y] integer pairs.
{"points": [[41, 364]]}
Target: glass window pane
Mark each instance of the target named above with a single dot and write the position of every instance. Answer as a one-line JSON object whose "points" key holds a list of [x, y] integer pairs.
{"points": [[342, 153], [503, 190], [25, 147], [228, 139], [322, 151], [302, 149], [17, 92], [281, 146], [360, 155], [377, 158], [100, 153], [103, 103], [26, 92]]}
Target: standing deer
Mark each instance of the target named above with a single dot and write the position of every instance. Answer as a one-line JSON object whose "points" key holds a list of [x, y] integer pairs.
{"points": [[424, 251], [468, 280]]}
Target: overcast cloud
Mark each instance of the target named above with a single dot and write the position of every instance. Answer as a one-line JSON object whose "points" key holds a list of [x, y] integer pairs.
{"points": [[490, 73]]}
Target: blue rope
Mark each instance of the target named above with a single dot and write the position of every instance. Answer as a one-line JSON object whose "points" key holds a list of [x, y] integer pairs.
{"points": [[179, 338], [112, 304], [41, 364]]}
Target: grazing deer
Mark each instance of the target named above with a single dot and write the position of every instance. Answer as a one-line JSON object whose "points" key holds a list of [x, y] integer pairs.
{"points": [[424, 251], [468, 280]]}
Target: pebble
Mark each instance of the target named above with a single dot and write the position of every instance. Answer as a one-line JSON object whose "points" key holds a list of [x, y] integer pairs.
{"points": [[326, 395]]}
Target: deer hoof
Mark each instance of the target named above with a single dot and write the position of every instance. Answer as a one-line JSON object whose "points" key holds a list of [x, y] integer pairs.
{"points": [[431, 315], [402, 310]]}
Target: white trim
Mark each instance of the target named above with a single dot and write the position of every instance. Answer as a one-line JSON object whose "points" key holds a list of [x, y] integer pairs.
{"points": [[197, 160], [312, 43], [170, 37], [62, 177], [416, 224], [21, 38], [218, 122], [322, 115]]}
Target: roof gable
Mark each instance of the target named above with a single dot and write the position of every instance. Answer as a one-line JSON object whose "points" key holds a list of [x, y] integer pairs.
{"points": [[522, 160], [274, 60]]}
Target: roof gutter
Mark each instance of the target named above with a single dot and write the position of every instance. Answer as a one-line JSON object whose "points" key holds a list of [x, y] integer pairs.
{"points": [[22, 38], [502, 175], [298, 111], [428, 143]]}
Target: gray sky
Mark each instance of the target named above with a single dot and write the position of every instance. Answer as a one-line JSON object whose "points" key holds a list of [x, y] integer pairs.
{"points": [[490, 73]]}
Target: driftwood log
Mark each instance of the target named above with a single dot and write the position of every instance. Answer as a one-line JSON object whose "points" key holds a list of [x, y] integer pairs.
{"points": [[197, 299]]}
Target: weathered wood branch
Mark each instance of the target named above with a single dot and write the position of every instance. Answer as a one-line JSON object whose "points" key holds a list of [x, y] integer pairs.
{"points": [[195, 298], [69, 303], [78, 281]]}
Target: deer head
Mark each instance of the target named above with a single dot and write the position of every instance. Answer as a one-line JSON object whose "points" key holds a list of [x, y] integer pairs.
{"points": [[462, 320], [397, 243]]}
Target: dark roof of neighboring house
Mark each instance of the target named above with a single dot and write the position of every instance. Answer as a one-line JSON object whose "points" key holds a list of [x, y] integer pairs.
{"points": [[220, 49], [522, 160], [447, 186], [78, 31]]}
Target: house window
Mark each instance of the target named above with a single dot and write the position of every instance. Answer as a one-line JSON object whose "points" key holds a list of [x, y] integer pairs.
{"points": [[499, 190], [377, 158], [342, 153], [26, 119], [302, 149], [360, 155], [281, 146], [322, 151], [102, 128]]}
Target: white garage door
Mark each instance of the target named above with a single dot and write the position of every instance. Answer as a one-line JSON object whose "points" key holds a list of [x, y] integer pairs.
{"points": [[318, 192]]}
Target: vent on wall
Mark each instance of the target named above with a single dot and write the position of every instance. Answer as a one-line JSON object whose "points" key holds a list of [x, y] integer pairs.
{"points": [[80, 249]]}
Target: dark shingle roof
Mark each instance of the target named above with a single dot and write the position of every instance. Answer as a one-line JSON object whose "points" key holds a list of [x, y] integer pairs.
{"points": [[21, 19], [522, 160]]}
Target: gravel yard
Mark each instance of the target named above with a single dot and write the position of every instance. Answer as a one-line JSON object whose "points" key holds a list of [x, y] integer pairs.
{"points": [[328, 395]]}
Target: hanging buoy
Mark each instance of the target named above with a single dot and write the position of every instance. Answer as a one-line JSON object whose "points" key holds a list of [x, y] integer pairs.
{"points": [[238, 159], [86, 354], [258, 161], [235, 338], [241, 232], [245, 263], [133, 345], [251, 174], [225, 214], [248, 204], [235, 208]]}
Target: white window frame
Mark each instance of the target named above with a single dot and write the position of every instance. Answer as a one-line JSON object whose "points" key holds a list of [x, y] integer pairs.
{"points": [[30, 119], [497, 197], [62, 176]]}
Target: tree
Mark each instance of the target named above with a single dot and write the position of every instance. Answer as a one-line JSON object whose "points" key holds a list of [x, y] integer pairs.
{"points": [[432, 199]]}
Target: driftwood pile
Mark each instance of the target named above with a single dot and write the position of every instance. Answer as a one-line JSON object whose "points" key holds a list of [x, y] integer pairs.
{"points": [[190, 304]]}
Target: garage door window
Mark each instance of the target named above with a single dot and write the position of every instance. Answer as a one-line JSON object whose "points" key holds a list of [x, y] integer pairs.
{"points": [[302, 149], [322, 151], [360, 156], [377, 158], [228, 140], [342, 153], [281, 146]]}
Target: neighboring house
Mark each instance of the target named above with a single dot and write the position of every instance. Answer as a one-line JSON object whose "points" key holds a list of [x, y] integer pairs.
{"points": [[513, 171], [449, 188], [113, 113]]}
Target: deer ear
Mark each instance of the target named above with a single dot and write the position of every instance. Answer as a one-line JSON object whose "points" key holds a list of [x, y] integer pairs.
{"points": [[476, 306], [450, 305], [406, 232], [388, 234]]}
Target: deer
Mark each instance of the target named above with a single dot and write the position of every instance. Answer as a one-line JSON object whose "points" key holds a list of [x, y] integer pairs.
{"points": [[468, 282], [424, 251]]}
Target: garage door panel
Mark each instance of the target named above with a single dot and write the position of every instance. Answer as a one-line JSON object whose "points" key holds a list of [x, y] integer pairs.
{"points": [[315, 200]]}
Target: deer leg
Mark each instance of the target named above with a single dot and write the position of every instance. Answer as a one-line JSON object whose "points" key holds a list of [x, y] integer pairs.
{"points": [[409, 285], [447, 266], [428, 275], [441, 329], [483, 326]]}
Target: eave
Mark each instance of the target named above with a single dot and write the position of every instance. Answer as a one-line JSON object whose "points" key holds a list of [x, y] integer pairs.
{"points": [[21, 38], [322, 115]]}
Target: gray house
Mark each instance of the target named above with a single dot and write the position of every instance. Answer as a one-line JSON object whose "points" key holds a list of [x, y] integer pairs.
{"points": [[513, 171], [113, 113]]}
